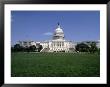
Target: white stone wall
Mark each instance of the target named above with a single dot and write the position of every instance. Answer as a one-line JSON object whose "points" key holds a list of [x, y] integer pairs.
{"points": [[44, 44], [60, 45], [26, 43]]}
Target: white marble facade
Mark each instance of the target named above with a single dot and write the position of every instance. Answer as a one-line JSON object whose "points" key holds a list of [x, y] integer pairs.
{"points": [[57, 44]]}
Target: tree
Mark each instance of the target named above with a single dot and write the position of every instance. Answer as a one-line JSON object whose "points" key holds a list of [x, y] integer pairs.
{"points": [[40, 48], [93, 48], [17, 47], [12, 49], [32, 48], [82, 47], [98, 51]]}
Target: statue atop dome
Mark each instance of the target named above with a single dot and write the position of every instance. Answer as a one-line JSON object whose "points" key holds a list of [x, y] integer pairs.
{"points": [[58, 25]]}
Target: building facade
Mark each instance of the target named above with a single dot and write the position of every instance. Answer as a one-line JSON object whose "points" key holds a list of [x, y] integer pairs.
{"points": [[57, 44]]}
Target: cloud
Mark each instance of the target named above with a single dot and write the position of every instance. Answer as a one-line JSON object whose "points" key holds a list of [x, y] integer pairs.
{"points": [[48, 33]]}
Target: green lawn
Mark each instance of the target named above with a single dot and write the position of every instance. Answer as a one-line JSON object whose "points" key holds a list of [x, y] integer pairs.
{"points": [[55, 65]]}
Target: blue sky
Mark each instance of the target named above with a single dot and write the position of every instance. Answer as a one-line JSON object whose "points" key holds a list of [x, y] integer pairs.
{"points": [[40, 25]]}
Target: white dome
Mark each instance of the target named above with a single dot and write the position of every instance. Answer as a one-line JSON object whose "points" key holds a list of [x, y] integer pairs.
{"points": [[58, 30], [58, 34]]}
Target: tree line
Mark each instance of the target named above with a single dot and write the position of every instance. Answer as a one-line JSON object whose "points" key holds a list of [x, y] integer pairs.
{"points": [[33, 48], [91, 48]]}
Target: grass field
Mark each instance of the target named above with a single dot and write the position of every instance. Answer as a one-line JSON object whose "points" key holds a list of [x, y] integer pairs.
{"points": [[55, 65]]}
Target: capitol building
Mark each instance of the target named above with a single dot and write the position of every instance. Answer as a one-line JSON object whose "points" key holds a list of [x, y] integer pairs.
{"points": [[57, 44]]}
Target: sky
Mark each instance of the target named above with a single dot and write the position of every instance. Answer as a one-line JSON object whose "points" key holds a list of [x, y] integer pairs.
{"points": [[40, 25]]}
